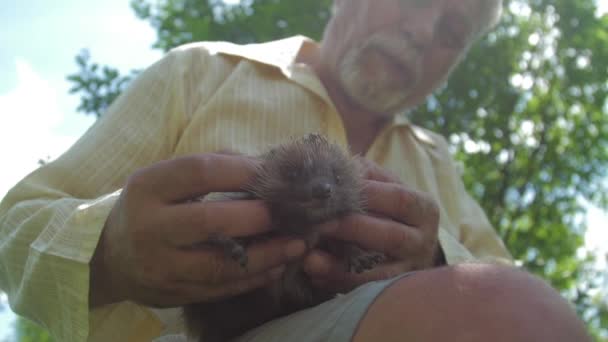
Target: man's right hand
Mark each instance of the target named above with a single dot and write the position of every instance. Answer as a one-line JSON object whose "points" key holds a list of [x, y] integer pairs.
{"points": [[147, 251]]}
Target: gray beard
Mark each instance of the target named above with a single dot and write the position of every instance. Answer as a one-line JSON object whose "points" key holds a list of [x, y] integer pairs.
{"points": [[387, 87]]}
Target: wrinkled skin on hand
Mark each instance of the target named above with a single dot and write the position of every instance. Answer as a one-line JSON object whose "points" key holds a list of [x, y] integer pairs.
{"points": [[151, 250], [400, 223]]}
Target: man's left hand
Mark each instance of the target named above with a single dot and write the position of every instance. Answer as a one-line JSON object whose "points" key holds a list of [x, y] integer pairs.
{"points": [[399, 222]]}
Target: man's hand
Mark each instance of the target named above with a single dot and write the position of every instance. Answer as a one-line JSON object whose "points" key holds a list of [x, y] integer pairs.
{"points": [[399, 222], [148, 251]]}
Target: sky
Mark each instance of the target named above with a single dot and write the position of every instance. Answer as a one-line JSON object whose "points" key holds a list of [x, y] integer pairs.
{"points": [[38, 42]]}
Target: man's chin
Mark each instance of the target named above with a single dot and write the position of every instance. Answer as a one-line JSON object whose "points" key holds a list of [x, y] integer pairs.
{"points": [[375, 91], [376, 99]]}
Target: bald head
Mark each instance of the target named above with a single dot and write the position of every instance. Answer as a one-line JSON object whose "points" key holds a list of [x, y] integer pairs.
{"points": [[489, 14]]}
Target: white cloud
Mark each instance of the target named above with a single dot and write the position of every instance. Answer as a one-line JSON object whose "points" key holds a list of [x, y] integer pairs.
{"points": [[39, 42], [28, 114]]}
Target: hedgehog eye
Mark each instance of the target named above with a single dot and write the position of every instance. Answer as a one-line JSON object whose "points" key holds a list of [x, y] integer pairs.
{"points": [[337, 178]]}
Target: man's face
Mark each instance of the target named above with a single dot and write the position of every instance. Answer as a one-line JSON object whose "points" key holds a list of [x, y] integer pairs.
{"points": [[388, 55]]}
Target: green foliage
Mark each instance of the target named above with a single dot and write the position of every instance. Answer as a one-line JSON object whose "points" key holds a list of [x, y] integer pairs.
{"points": [[27, 331], [183, 21], [526, 111], [101, 84], [525, 114]]}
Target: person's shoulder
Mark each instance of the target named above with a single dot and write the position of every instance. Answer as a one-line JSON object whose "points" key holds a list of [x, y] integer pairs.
{"points": [[437, 149], [205, 48], [190, 57], [198, 51], [275, 53], [429, 138]]}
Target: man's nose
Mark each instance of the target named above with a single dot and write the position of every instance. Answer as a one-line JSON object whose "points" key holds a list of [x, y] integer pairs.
{"points": [[420, 27]]}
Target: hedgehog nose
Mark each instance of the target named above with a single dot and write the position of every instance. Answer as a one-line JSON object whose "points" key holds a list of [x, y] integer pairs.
{"points": [[322, 190]]}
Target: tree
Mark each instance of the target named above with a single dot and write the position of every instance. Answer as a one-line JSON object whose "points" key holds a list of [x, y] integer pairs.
{"points": [[525, 115], [182, 21], [26, 331]]}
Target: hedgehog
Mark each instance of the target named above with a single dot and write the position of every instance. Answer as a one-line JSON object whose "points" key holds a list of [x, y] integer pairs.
{"points": [[304, 182]]}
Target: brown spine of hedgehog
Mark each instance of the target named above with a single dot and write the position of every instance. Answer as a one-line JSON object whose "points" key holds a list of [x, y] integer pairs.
{"points": [[304, 182]]}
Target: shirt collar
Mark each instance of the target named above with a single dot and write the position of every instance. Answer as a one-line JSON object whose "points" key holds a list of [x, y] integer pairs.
{"points": [[279, 53], [282, 54]]}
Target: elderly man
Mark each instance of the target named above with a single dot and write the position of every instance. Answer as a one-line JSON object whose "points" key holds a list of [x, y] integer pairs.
{"points": [[93, 243]]}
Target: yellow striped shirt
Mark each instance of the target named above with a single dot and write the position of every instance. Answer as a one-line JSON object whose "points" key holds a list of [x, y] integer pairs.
{"points": [[200, 97]]}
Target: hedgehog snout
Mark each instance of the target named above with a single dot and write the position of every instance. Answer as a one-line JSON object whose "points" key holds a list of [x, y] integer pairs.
{"points": [[322, 190]]}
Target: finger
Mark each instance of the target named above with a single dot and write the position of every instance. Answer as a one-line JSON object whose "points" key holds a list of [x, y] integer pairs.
{"points": [[373, 171], [241, 286], [186, 292], [213, 267], [191, 176], [329, 273], [192, 222], [412, 207], [318, 264], [379, 234]]}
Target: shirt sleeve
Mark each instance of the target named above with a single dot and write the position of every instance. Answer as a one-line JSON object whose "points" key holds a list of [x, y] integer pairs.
{"points": [[478, 234], [469, 236], [51, 221]]}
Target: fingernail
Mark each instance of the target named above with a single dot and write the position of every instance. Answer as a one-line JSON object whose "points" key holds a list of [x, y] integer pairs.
{"points": [[295, 248]]}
